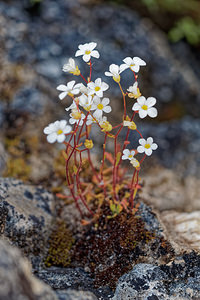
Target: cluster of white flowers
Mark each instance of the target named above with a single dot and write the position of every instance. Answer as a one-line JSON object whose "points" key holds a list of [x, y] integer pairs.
{"points": [[88, 99]]}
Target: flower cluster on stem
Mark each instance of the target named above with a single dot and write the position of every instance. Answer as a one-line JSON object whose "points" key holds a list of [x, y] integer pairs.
{"points": [[90, 107]]}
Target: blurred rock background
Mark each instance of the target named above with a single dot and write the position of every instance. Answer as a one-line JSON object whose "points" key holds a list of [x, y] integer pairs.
{"points": [[38, 36]]}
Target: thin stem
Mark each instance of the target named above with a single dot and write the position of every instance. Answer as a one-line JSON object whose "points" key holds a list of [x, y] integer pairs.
{"points": [[89, 158], [80, 192], [90, 71], [124, 99], [114, 166], [83, 78]]}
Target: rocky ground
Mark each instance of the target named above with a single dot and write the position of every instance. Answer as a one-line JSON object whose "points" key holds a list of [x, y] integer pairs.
{"points": [[163, 262]]}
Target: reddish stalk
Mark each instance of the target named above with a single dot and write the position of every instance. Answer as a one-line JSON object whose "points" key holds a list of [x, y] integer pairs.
{"points": [[89, 158], [83, 78], [90, 70], [80, 192], [114, 166]]}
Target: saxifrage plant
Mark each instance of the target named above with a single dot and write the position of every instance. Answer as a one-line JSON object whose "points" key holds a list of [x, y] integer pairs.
{"points": [[109, 184]]}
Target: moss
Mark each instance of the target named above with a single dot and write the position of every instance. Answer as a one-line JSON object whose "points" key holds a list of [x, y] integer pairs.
{"points": [[17, 168], [111, 247], [60, 243]]}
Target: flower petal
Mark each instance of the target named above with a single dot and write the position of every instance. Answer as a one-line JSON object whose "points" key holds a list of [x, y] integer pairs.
{"points": [[151, 101], [114, 68], [150, 140], [139, 61], [128, 61], [141, 100], [142, 113], [62, 124], [95, 54], [148, 152], [86, 57], [62, 95], [152, 112], [126, 152], [104, 86], [154, 146], [108, 74], [107, 109], [105, 101], [60, 138], [71, 84], [51, 138], [136, 107], [135, 68], [142, 142], [123, 67], [62, 88], [92, 45], [67, 129], [140, 149]]}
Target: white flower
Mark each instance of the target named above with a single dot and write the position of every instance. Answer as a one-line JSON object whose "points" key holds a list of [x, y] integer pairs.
{"points": [[90, 120], [115, 70], [133, 89], [72, 106], [127, 154], [68, 89], [77, 116], [97, 87], [147, 146], [135, 163], [87, 50], [132, 63], [71, 67], [100, 107], [82, 88], [86, 101], [56, 131], [144, 106]]}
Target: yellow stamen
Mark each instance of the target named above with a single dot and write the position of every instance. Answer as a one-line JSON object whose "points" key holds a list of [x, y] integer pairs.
{"points": [[97, 88], [116, 78], [106, 126], [100, 106], [59, 131], [147, 146], [145, 107], [87, 52], [88, 144], [76, 115], [130, 156], [76, 71]]}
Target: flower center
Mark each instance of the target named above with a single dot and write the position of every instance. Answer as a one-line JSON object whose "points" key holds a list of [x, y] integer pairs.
{"points": [[147, 146], [76, 115], [100, 106], [130, 156], [87, 52], [132, 65], [145, 107], [97, 88], [59, 132]]}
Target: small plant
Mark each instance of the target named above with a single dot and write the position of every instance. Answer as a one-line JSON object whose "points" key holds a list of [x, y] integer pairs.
{"points": [[107, 185]]}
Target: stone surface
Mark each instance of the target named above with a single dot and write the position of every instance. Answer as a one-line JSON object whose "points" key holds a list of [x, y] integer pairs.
{"points": [[166, 189], [26, 215], [76, 295], [16, 279], [183, 229], [178, 280]]}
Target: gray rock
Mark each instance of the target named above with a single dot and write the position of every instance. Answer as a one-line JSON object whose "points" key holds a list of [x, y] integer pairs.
{"points": [[179, 279], [75, 295], [26, 214], [64, 278], [16, 279]]}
